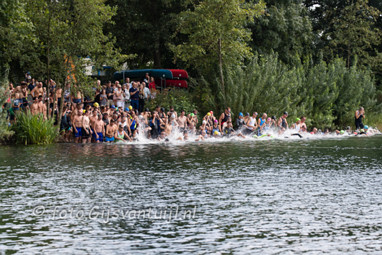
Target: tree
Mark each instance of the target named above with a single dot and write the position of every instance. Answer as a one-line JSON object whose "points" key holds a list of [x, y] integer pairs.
{"points": [[15, 31], [144, 28], [286, 28], [216, 34], [66, 33], [354, 34]]}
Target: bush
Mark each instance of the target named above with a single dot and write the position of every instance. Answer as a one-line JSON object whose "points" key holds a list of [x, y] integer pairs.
{"points": [[34, 129], [374, 120], [328, 94], [180, 99]]}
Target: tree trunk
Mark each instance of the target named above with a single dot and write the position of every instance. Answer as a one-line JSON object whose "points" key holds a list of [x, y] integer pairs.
{"points": [[48, 66], [61, 106], [221, 65], [157, 53]]}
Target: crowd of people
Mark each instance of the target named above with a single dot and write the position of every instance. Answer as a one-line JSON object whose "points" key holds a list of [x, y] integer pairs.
{"points": [[118, 114]]}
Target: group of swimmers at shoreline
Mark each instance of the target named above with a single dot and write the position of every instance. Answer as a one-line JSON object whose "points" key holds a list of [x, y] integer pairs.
{"points": [[107, 120], [95, 124]]}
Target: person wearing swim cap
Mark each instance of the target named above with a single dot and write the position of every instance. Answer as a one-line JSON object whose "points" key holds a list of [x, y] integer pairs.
{"points": [[268, 124], [240, 123], [297, 126], [191, 124]]}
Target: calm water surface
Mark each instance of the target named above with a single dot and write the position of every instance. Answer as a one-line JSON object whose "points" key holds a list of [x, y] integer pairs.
{"points": [[263, 197]]}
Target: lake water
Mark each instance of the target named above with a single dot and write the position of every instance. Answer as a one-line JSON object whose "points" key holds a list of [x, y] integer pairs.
{"points": [[263, 197]]}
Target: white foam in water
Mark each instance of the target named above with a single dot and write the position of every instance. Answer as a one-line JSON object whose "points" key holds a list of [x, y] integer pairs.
{"points": [[173, 139]]}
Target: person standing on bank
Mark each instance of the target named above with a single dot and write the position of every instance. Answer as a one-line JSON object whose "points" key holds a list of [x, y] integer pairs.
{"points": [[359, 116], [134, 96]]}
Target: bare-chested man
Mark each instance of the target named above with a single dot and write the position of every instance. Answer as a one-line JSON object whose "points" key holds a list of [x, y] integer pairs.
{"points": [[86, 131], [93, 117], [111, 129], [42, 107], [38, 90], [77, 98], [35, 108], [77, 126], [58, 97], [182, 121], [167, 128], [99, 129]]}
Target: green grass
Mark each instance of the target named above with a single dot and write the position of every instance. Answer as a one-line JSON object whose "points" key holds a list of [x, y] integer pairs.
{"points": [[33, 129]]}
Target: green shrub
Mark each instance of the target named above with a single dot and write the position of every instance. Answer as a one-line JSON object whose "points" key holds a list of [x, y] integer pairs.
{"points": [[328, 94], [374, 120], [34, 129], [180, 99]]}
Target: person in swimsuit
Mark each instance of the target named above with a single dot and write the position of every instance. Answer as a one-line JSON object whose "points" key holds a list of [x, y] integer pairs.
{"points": [[303, 124], [224, 118], [261, 123], [182, 121], [283, 123], [240, 123], [99, 129], [86, 131], [297, 126], [251, 124], [268, 124], [120, 135], [77, 126], [110, 132], [359, 115], [35, 106]]}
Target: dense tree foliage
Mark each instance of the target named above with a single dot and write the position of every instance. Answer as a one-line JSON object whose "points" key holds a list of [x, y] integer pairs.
{"points": [[217, 34], [145, 28], [286, 28], [323, 47]]}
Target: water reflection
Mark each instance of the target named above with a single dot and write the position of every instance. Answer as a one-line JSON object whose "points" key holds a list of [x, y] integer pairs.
{"points": [[250, 197]]}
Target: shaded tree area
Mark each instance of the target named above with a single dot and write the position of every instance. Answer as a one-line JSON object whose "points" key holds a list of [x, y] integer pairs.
{"points": [[145, 28], [286, 28], [350, 29]]}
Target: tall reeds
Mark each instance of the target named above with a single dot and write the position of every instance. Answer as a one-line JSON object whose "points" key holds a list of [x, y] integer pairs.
{"points": [[34, 129]]}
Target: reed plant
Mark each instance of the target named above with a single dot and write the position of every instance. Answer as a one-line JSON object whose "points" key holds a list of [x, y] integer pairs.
{"points": [[34, 129]]}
